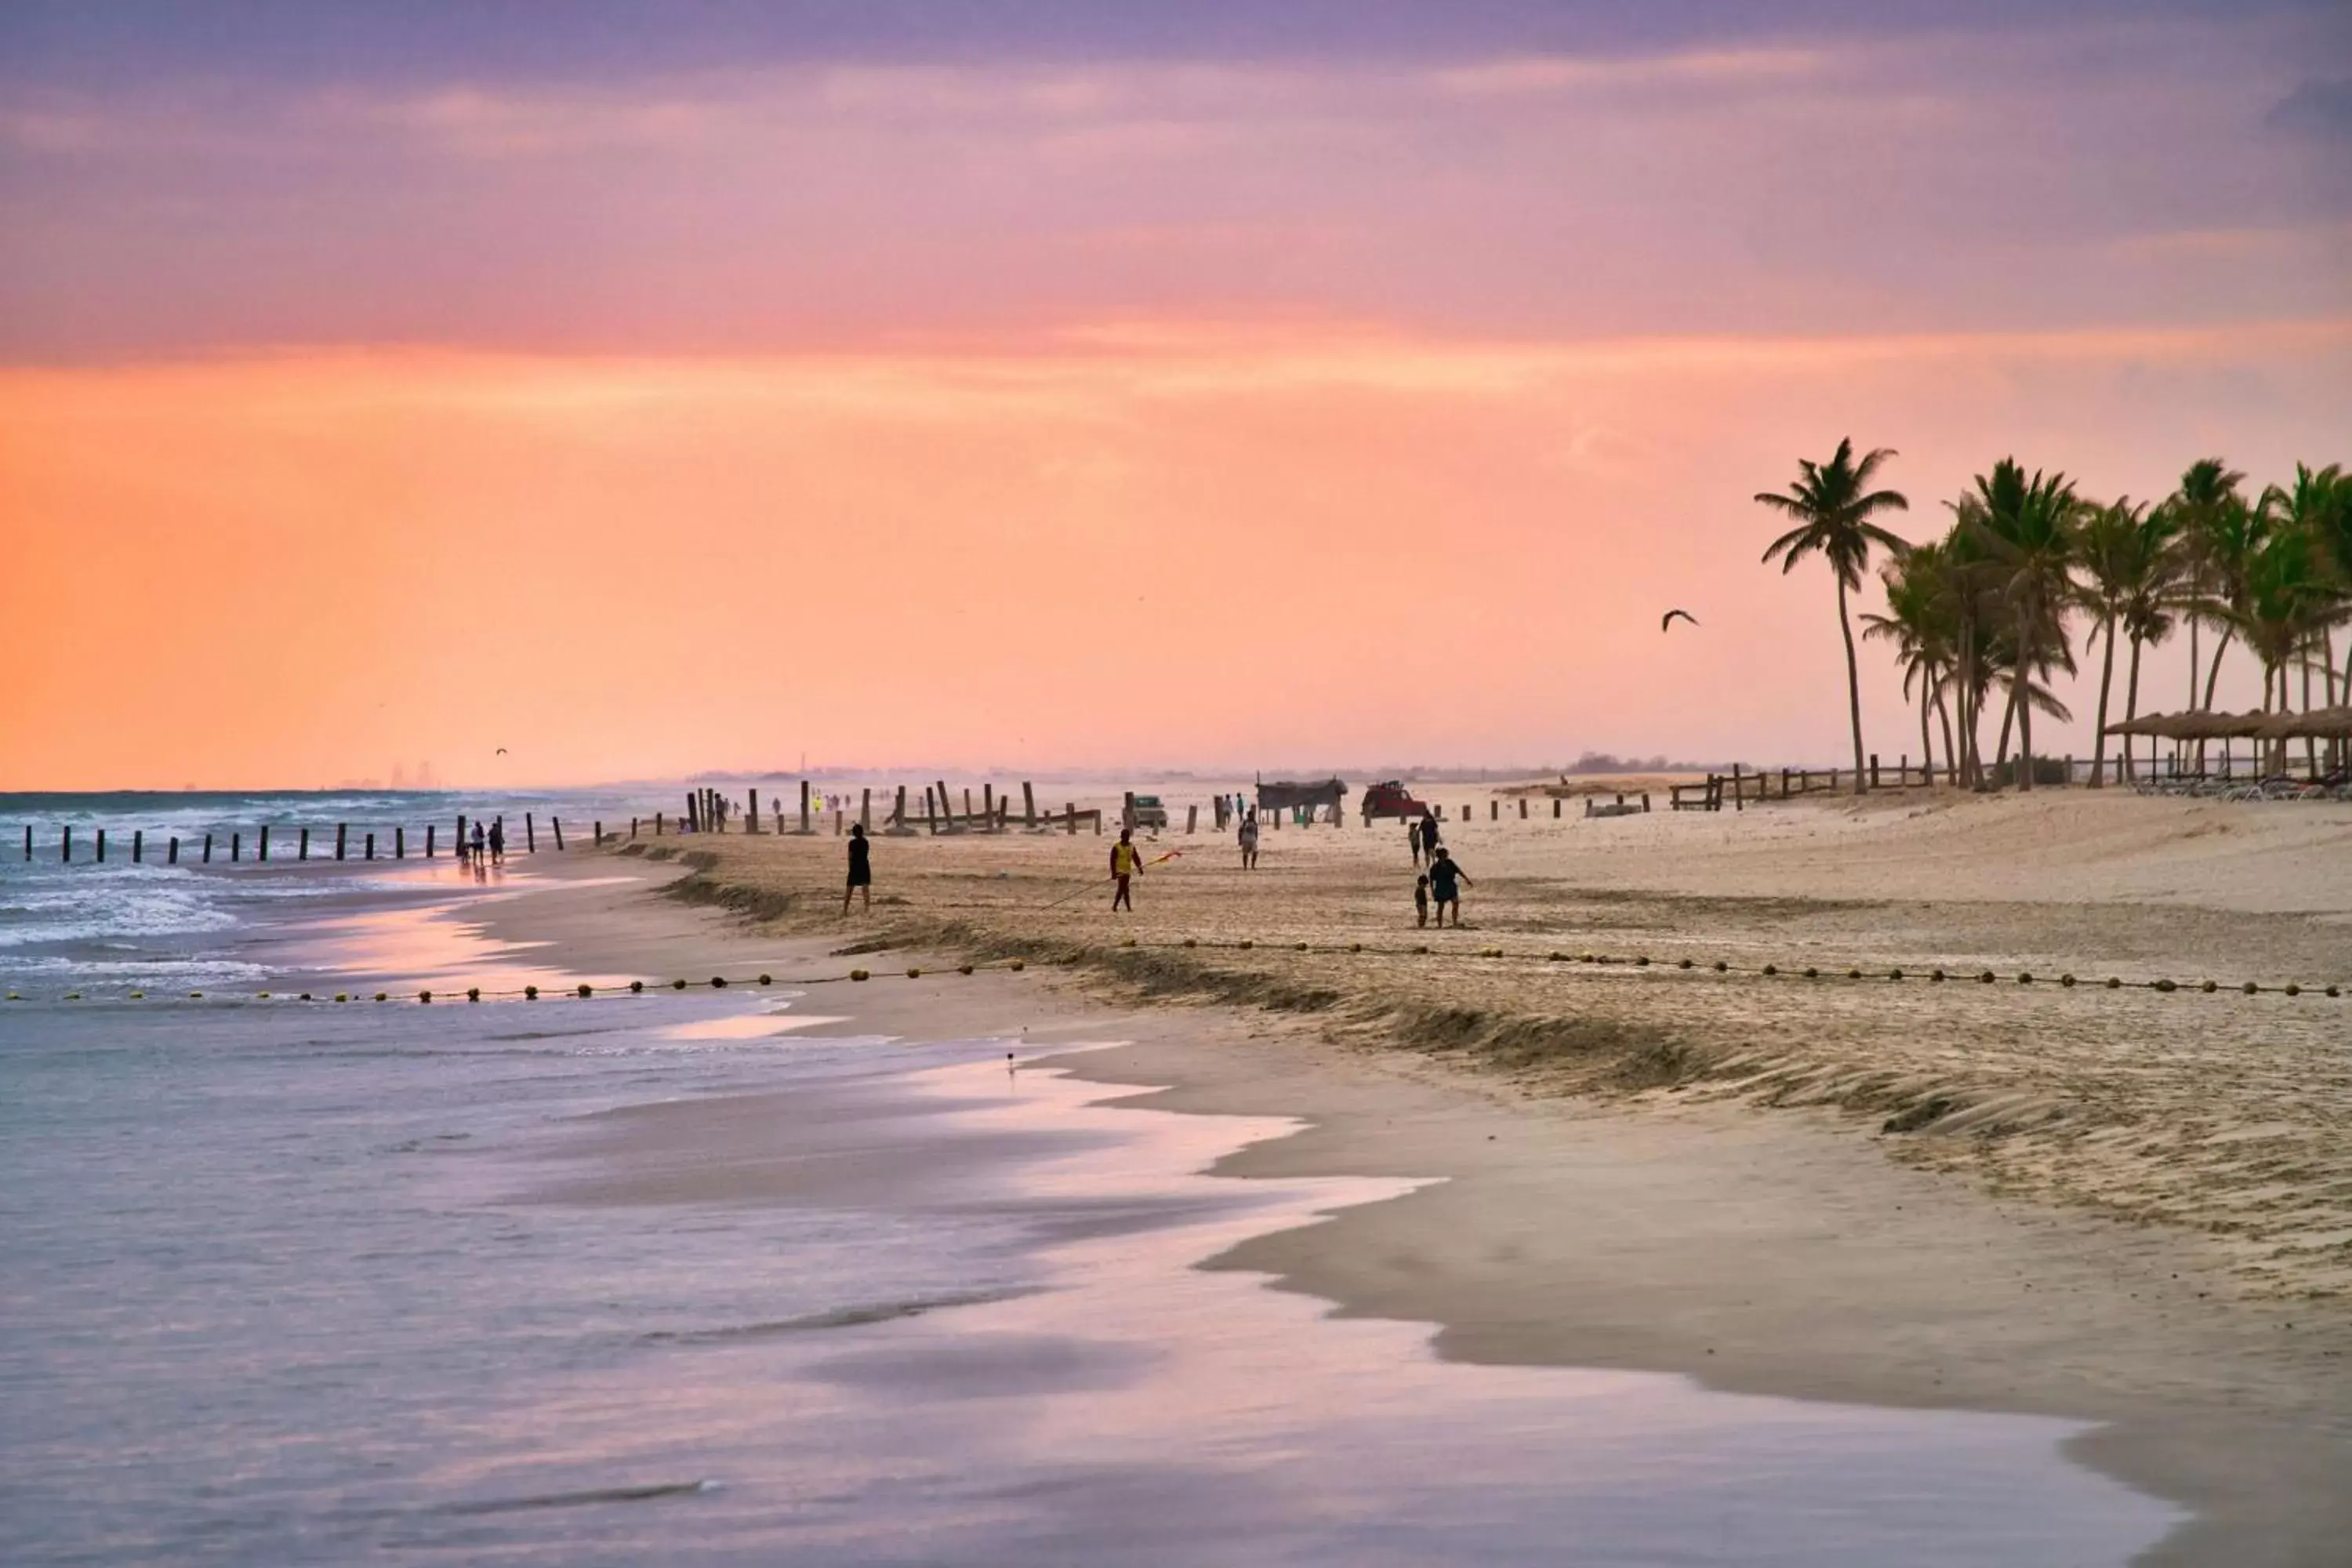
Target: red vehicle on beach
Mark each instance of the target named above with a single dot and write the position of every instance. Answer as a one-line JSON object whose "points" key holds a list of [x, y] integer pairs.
{"points": [[1391, 798]]}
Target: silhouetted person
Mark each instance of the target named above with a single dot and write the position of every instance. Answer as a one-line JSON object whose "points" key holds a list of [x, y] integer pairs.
{"points": [[1126, 863], [1248, 840], [481, 846], [1445, 880], [861, 869], [1413, 839], [498, 841]]}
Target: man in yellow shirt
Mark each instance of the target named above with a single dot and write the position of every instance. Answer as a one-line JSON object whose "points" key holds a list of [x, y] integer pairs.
{"points": [[1126, 863]]}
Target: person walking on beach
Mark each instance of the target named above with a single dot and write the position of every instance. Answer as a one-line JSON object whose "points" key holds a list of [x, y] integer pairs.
{"points": [[481, 845], [498, 841], [1126, 863], [1248, 838], [1420, 899], [1444, 875], [861, 869], [1429, 837], [1413, 840]]}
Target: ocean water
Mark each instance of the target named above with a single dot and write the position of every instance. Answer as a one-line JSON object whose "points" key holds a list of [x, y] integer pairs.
{"points": [[707, 1277]]}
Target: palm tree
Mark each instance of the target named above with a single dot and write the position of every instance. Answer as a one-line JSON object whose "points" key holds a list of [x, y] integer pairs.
{"points": [[1833, 505], [2285, 602], [2129, 566], [2158, 566], [2319, 507], [2108, 533], [2028, 528], [2307, 578], [1920, 625], [2205, 486]]}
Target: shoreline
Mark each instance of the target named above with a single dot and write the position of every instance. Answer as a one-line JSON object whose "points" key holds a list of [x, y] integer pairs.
{"points": [[1758, 1254]]}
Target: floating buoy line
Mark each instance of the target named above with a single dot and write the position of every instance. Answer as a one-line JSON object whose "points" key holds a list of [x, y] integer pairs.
{"points": [[1643, 963]]}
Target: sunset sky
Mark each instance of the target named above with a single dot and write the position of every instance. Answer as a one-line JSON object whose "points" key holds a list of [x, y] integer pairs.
{"points": [[647, 388]]}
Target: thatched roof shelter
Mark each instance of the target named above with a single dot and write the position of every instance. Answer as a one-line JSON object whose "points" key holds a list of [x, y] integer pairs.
{"points": [[2320, 723], [2193, 726]]}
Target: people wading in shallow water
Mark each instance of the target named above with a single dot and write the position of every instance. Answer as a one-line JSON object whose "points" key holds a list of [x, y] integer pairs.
{"points": [[1444, 878], [1248, 839], [861, 869], [1126, 863]]}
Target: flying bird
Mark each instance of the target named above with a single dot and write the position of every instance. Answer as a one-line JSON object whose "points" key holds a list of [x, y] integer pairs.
{"points": [[502, 751], [1668, 618]]}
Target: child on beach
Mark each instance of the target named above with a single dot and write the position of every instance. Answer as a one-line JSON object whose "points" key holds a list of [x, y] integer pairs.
{"points": [[1248, 840], [1444, 876], [1420, 899]]}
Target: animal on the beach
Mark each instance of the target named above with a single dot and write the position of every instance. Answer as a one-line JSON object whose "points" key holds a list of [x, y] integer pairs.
{"points": [[1288, 794], [1668, 618]]}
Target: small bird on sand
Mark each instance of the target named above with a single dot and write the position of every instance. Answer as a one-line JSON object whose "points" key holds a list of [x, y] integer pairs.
{"points": [[1668, 618]]}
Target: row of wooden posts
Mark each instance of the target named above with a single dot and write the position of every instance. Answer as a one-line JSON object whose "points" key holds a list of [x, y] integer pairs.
{"points": [[1742, 785], [709, 811], [397, 850]]}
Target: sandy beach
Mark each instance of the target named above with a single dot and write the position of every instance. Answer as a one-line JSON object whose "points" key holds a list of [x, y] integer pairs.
{"points": [[2130, 1209]]}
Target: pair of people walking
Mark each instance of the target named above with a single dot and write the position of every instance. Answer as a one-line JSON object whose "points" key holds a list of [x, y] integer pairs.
{"points": [[1442, 882]]}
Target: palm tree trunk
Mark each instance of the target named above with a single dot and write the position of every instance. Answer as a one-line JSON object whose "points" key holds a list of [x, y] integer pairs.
{"points": [[1926, 748], [2008, 722], [2131, 704], [2212, 675], [1943, 717], [2106, 681], [2310, 742], [1853, 688]]}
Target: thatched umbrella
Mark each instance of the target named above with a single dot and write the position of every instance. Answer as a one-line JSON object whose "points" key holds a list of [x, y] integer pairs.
{"points": [[2320, 723], [2192, 726]]}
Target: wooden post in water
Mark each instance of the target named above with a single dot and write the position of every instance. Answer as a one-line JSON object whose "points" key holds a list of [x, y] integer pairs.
{"points": [[1028, 805], [236, 847], [172, 852], [428, 840], [751, 817], [264, 841], [530, 836], [369, 849], [138, 846], [968, 820], [461, 835], [400, 843], [598, 830], [693, 812], [557, 823], [65, 845], [1192, 817], [208, 848], [101, 846], [342, 832], [28, 841], [899, 811]]}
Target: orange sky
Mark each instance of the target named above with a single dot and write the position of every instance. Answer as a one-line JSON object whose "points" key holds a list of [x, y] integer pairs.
{"points": [[1240, 546], [1230, 384]]}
